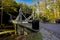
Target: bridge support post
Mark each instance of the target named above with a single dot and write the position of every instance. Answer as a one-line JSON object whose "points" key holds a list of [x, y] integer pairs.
{"points": [[15, 28], [19, 30]]}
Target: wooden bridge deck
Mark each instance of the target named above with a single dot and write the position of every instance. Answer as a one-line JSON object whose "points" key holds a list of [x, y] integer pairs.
{"points": [[51, 27]]}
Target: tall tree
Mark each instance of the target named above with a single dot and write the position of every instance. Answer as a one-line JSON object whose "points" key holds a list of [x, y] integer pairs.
{"points": [[10, 8]]}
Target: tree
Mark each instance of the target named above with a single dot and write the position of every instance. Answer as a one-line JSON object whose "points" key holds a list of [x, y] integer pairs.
{"points": [[10, 8], [50, 10]]}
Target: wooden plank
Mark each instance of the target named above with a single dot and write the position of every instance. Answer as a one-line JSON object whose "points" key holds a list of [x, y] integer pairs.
{"points": [[8, 31]]}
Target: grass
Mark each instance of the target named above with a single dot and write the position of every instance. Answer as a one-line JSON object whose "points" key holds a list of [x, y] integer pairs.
{"points": [[35, 36]]}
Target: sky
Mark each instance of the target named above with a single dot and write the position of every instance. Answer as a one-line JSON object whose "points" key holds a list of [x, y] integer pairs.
{"points": [[29, 2]]}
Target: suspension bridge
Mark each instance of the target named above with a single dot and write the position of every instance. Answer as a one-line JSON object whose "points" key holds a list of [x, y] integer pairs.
{"points": [[25, 24]]}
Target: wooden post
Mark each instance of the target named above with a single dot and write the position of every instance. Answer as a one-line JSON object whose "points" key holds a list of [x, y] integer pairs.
{"points": [[15, 28]]}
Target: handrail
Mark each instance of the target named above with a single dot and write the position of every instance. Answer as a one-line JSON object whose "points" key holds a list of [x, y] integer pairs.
{"points": [[8, 31], [29, 28]]}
